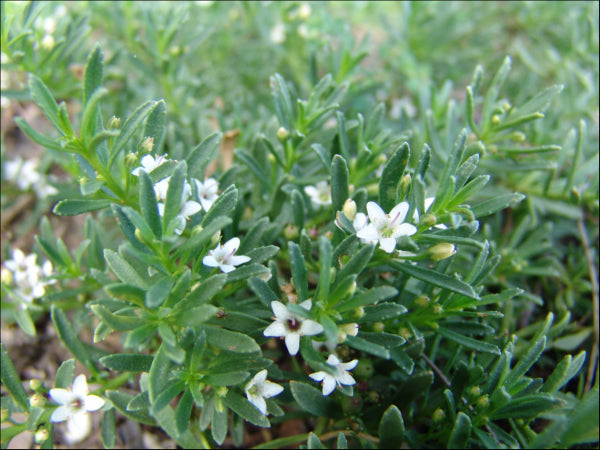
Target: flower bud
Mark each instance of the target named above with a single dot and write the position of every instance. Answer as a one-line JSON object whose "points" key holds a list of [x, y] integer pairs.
{"points": [[114, 123], [405, 182], [6, 276], [358, 313], [517, 136], [405, 333], [290, 232], [381, 158], [378, 326], [35, 384], [475, 391], [148, 144], [373, 397], [48, 42], [37, 401], [364, 369], [438, 415], [197, 229], [350, 328], [483, 402], [495, 119], [4, 415], [130, 159], [442, 251], [422, 301], [349, 209], [437, 309], [428, 219], [41, 436], [282, 134], [216, 238]]}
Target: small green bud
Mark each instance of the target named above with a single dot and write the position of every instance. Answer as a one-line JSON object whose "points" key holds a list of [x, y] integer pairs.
{"points": [[114, 123], [130, 159], [35, 384], [378, 326], [422, 301], [373, 397], [4, 415], [221, 391], [506, 106], [364, 370], [405, 182], [41, 436], [48, 42], [100, 177], [216, 238], [282, 134], [349, 209], [197, 229], [517, 136], [290, 232], [428, 219], [6, 276], [148, 145], [271, 158], [437, 309], [475, 391], [381, 158], [405, 333], [438, 415], [483, 402], [37, 401], [442, 251], [138, 234], [358, 313], [495, 119]]}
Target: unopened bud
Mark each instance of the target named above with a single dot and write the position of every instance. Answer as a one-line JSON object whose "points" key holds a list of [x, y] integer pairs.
{"points": [[378, 326], [35, 384], [364, 370], [197, 229], [475, 391], [373, 397], [48, 42], [100, 177], [349, 209], [405, 333], [350, 328], [304, 11], [422, 301], [405, 184], [6, 276], [483, 402], [381, 158], [290, 232], [148, 144], [517, 136], [41, 436], [438, 415], [428, 219], [437, 309], [216, 238], [130, 159], [282, 134], [114, 123], [37, 401], [4, 415], [506, 106], [358, 313], [442, 251], [495, 119]]}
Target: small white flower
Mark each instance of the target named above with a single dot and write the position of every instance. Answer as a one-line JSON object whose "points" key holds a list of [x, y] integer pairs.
{"points": [[30, 279], [291, 326], [342, 376], [386, 228], [260, 388], [207, 192], [320, 195], [24, 174], [75, 406], [224, 257], [277, 34], [149, 163], [188, 207]]}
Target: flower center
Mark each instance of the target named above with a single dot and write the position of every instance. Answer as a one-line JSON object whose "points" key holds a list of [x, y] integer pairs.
{"points": [[293, 324]]}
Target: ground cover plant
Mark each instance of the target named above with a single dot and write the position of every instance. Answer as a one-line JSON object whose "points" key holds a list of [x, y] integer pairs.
{"points": [[300, 224]]}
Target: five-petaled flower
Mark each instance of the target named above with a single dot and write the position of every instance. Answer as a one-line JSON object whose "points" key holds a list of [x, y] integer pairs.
{"points": [[320, 195], [341, 377], [260, 388], [149, 163], [207, 192], [224, 256], [386, 228], [75, 403], [291, 326]]}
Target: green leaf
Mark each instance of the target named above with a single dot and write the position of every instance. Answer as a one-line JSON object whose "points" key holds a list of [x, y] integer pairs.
{"points": [[108, 433], [223, 205], [339, 182], [571, 342], [148, 204], [121, 400], [25, 321], [230, 340], [391, 176], [155, 124], [44, 99], [159, 292], [203, 293], [123, 270], [357, 263], [496, 204], [468, 342], [203, 154], [89, 122], [367, 346], [65, 374], [74, 207], [70, 339], [219, 422], [383, 311], [119, 322], [36, 137], [526, 407], [391, 428], [127, 362], [471, 188], [194, 316], [534, 351], [313, 441], [298, 208], [583, 421], [342, 442], [126, 292], [372, 296], [311, 399], [184, 411], [93, 75], [201, 238], [461, 432], [246, 410], [437, 279], [12, 382], [174, 196], [299, 276], [283, 101]]}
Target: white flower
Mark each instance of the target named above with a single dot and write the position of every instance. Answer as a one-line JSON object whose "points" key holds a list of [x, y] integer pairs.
{"points": [[207, 192], [260, 388], [149, 163], [320, 195], [277, 34], [29, 278], [342, 376], [188, 207], [386, 228], [224, 257], [24, 174], [291, 326], [75, 406]]}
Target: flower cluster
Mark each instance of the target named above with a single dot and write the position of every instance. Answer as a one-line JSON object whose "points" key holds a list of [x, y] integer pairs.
{"points": [[207, 192], [28, 279], [24, 174]]}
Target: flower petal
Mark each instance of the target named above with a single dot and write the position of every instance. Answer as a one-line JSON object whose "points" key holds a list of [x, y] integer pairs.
{"points": [[60, 414], [292, 342], [406, 229], [280, 311], [328, 385], [387, 244], [259, 402], [306, 304], [349, 365], [368, 233], [310, 328], [398, 212], [333, 360], [271, 389], [232, 245], [78, 428], [62, 396], [227, 268], [259, 378], [210, 261], [318, 376], [376, 214], [276, 329], [190, 208], [237, 260], [93, 403], [346, 379]]}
